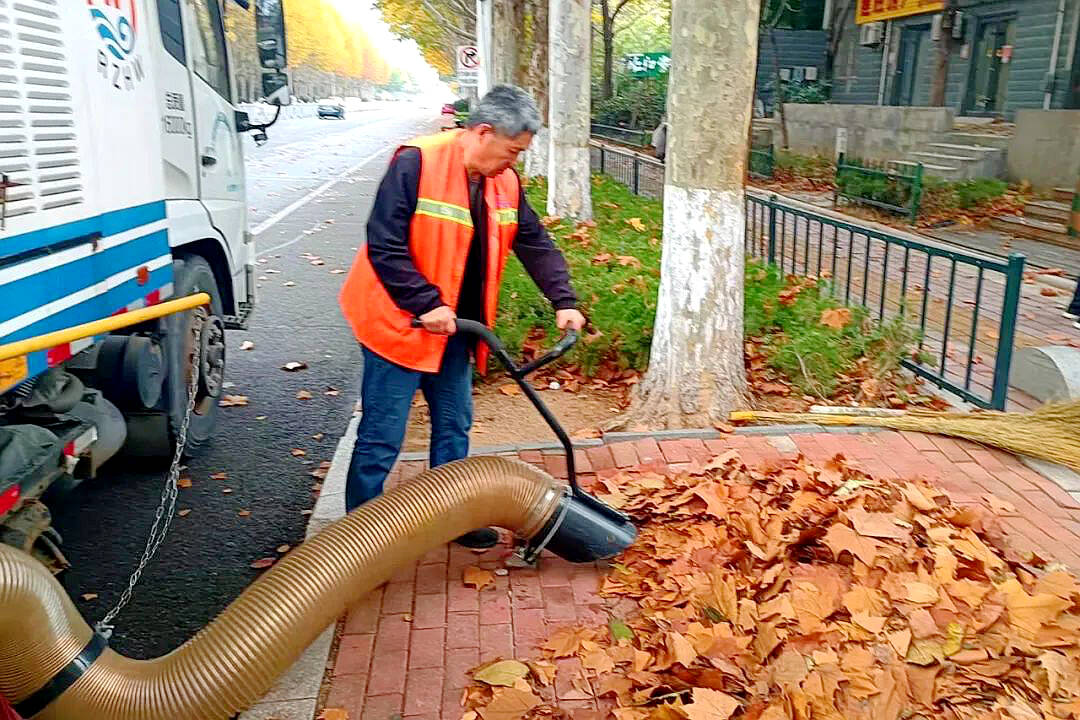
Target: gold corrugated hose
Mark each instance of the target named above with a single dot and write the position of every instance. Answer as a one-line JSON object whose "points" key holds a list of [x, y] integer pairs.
{"points": [[235, 659]]}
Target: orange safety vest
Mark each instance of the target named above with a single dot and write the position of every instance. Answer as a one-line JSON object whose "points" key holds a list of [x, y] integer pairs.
{"points": [[440, 233]]}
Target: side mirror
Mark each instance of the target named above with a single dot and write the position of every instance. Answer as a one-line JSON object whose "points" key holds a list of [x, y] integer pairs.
{"points": [[275, 87], [270, 34]]}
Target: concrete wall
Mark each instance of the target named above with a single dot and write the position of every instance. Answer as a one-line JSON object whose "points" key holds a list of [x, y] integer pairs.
{"points": [[874, 133], [796, 48], [1045, 149]]}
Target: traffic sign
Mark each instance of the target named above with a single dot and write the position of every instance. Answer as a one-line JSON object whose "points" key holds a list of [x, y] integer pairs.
{"points": [[468, 59]]}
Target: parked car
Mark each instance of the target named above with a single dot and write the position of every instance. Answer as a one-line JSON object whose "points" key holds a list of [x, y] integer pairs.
{"points": [[332, 110]]}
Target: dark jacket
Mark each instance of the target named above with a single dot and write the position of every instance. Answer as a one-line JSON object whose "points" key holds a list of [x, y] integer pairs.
{"points": [[388, 248]]}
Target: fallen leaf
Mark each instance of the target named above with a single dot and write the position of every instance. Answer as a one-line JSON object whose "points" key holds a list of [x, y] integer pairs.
{"points": [[233, 401], [262, 563], [282, 549], [900, 641], [841, 538], [877, 525], [1048, 292], [220, 475], [872, 623], [628, 261], [477, 577], [303, 395], [636, 224], [503, 673], [184, 513], [244, 513], [563, 643], [620, 630], [297, 452], [247, 345], [333, 714], [294, 366], [89, 596], [184, 481], [681, 649], [922, 593], [509, 704], [510, 389], [332, 392], [710, 705], [337, 271], [836, 318], [318, 436], [226, 491], [289, 283]]}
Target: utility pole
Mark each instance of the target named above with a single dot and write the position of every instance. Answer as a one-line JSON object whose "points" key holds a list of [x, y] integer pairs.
{"points": [[483, 44]]}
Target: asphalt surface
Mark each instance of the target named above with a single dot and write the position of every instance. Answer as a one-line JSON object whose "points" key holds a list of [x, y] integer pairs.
{"points": [[206, 559]]}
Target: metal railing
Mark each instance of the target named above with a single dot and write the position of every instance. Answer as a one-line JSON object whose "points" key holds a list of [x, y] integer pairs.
{"points": [[762, 161], [644, 175], [965, 305], [866, 183], [630, 136]]}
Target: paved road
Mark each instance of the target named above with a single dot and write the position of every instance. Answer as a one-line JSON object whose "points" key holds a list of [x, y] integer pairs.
{"points": [[205, 562]]}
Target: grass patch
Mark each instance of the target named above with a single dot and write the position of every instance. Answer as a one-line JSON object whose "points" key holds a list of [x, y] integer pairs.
{"points": [[940, 195], [813, 338], [615, 268], [811, 167]]}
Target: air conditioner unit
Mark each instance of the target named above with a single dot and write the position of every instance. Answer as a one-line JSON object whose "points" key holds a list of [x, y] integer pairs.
{"points": [[958, 25], [871, 33]]}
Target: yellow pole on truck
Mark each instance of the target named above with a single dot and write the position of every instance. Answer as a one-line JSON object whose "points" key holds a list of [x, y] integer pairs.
{"points": [[99, 327]]}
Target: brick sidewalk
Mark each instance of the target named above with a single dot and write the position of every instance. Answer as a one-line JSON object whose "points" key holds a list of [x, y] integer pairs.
{"points": [[405, 649]]}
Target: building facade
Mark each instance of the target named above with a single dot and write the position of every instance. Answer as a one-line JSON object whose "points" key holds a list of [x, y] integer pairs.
{"points": [[1005, 55]]}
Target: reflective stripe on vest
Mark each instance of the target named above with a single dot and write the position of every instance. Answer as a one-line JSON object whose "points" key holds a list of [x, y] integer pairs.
{"points": [[444, 211], [507, 216]]}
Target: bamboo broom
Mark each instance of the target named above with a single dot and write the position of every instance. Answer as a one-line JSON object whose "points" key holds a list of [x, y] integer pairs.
{"points": [[1050, 433]]}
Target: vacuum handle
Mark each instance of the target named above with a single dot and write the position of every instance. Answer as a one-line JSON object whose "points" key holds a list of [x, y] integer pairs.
{"points": [[482, 331]]}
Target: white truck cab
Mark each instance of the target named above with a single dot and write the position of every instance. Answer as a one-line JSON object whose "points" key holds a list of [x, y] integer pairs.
{"points": [[121, 186]]}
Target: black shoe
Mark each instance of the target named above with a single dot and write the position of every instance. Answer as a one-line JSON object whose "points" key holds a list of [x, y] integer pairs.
{"points": [[479, 539]]}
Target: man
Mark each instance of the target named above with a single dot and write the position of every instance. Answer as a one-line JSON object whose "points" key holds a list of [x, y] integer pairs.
{"points": [[447, 213], [1073, 311]]}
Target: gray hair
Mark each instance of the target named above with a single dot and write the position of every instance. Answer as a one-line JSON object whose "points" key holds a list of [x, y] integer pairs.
{"points": [[508, 109]]}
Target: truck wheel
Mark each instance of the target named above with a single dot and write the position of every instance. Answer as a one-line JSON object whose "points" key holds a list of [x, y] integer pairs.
{"points": [[192, 274]]}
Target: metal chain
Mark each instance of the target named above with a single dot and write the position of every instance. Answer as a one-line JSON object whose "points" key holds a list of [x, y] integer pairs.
{"points": [[167, 505]]}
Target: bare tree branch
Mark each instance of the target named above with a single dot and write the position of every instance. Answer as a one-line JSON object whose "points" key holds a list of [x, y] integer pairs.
{"points": [[615, 12], [465, 9], [454, 29]]}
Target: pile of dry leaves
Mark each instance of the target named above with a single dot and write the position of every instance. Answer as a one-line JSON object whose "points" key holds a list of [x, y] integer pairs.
{"points": [[806, 593]]}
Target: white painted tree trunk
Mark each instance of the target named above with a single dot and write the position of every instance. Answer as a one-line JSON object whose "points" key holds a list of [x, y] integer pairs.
{"points": [[696, 374], [569, 182], [536, 158]]}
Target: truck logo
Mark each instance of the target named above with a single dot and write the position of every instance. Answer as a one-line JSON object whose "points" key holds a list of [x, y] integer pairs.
{"points": [[116, 23]]}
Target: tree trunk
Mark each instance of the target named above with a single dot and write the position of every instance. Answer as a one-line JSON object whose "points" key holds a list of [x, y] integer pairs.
{"points": [[507, 21], [536, 159], [569, 181], [607, 32], [940, 79], [779, 88], [696, 374]]}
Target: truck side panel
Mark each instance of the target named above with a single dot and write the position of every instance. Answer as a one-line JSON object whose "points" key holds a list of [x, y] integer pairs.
{"points": [[86, 233]]}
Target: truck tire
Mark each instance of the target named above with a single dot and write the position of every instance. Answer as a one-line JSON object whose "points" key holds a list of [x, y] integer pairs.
{"points": [[192, 274]]}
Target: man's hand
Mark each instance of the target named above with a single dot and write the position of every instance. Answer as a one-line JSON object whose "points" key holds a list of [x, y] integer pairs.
{"points": [[569, 319], [440, 321]]}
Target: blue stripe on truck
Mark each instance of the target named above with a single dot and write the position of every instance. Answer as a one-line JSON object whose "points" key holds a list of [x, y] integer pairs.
{"points": [[110, 223], [51, 284]]}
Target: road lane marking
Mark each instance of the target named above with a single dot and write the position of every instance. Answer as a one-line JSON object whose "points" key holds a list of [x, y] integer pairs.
{"points": [[296, 205]]}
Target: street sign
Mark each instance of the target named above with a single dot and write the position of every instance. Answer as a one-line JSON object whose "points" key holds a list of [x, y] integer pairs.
{"points": [[645, 65], [468, 65]]}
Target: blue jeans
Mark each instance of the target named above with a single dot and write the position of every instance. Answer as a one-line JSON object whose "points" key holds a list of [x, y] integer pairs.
{"points": [[387, 392]]}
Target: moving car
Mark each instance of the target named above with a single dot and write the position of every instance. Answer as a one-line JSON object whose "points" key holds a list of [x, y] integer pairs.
{"points": [[332, 110]]}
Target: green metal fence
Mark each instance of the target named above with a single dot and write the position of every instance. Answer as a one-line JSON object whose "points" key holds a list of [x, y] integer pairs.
{"points": [[762, 161], [964, 305], [644, 175], [869, 183], [628, 136]]}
